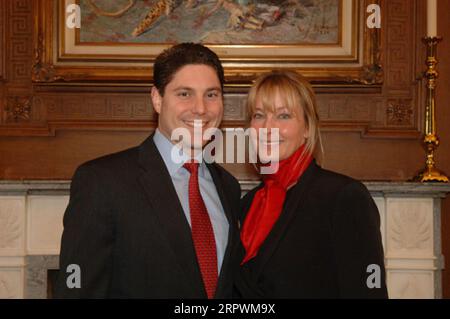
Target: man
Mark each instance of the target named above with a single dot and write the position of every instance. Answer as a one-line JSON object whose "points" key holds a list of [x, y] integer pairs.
{"points": [[140, 224]]}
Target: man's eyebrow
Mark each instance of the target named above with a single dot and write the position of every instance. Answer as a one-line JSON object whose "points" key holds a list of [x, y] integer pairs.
{"points": [[183, 88], [215, 88], [187, 88]]}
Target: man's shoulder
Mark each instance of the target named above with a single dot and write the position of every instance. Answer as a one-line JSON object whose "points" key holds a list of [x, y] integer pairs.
{"points": [[113, 163]]}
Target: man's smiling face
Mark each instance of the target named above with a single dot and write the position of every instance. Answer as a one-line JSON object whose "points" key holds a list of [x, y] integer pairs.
{"points": [[194, 94]]}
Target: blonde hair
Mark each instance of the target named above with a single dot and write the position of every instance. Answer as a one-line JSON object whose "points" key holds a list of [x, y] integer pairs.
{"points": [[295, 93]]}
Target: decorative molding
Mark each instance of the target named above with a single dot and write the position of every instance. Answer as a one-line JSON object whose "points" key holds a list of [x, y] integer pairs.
{"points": [[410, 224], [239, 68], [400, 112], [64, 110], [40, 71], [401, 89], [353, 109], [19, 40], [16, 92], [10, 224], [401, 24], [410, 230], [18, 109], [112, 107], [372, 73]]}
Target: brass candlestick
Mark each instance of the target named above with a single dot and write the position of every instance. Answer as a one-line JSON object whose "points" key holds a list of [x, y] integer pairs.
{"points": [[431, 140]]}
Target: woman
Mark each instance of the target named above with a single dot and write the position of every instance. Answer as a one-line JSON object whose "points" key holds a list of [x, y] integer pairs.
{"points": [[306, 232]]}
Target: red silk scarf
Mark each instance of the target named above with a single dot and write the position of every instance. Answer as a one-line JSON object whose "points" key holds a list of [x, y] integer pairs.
{"points": [[268, 201]]}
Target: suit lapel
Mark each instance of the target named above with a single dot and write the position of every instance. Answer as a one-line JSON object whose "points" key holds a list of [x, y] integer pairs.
{"points": [[158, 186], [221, 192], [233, 232], [292, 206]]}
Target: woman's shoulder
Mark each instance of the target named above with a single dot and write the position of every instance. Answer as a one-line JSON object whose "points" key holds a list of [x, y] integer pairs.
{"points": [[332, 176], [327, 181], [336, 192]]}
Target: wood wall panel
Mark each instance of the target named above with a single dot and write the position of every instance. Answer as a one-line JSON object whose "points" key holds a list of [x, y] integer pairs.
{"points": [[443, 126], [18, 44], [19, 41], [2, 57], [399, 39], [390, 111], [2, 40]]}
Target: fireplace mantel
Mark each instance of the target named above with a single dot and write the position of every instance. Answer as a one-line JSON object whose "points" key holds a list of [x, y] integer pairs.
{"points": [[31, 215]]}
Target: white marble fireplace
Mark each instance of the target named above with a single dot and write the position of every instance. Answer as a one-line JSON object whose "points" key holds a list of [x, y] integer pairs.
{"points": [[31, 215]]}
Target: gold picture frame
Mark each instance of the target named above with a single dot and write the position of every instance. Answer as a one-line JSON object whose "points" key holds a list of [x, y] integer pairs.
{"points": [[60, 57]]}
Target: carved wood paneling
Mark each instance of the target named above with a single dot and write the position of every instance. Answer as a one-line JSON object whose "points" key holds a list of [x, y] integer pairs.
{"points": [[19, 40], [402, 104], [18, 43], [2, 56], [400, 112], [2, 40], [399, 38], [104, 107], [62, 110], [18, 109], [389, 110]]}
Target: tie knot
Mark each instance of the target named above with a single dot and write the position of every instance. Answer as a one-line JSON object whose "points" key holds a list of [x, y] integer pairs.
{"points": [[192, 167]]}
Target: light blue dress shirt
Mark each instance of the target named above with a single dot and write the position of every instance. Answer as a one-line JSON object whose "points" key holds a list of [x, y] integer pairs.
{"points": [[180, 179]]}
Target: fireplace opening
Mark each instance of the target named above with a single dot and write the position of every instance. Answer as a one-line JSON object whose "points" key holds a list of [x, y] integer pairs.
{"points": [[52, 276]]}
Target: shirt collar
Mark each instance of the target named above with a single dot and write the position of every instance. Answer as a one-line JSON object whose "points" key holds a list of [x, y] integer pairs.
{"points": [[165, 147]]}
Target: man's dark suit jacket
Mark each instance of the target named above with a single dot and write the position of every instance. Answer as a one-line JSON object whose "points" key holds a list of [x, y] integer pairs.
{"points": [[320, 247], [125, 227]]}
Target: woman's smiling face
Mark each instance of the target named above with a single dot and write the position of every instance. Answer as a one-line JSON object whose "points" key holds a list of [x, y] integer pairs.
{"points": [[290, 123]]}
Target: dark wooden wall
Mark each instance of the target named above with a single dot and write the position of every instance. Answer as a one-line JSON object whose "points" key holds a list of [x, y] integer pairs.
{"points": [[46, 130], [443, 122]]}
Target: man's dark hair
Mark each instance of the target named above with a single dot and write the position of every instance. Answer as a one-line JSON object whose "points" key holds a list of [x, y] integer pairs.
{"points": [[174, 58]]}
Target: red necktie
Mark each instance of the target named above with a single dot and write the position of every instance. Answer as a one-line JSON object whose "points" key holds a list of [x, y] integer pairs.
{"points": [[202, 233]]}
